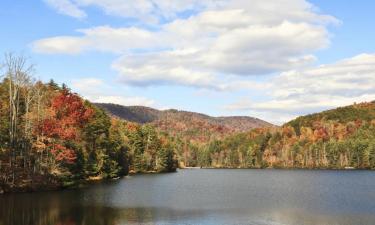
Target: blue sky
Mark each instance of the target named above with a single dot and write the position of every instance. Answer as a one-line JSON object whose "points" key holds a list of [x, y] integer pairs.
{"points": [[273, 59]]}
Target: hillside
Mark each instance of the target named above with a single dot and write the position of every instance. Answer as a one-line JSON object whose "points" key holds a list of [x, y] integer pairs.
{"points": [[342, 115], [334, 139], [137, 114], [189, 125]]}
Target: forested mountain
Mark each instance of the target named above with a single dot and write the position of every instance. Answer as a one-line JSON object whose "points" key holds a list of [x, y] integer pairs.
{"points": [[356, 112], [338, 138], [190, 126], [137, 114]]}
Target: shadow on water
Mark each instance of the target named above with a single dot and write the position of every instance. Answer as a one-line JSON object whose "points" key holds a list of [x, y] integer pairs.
{"points": [[66, 208], [40, 213]]}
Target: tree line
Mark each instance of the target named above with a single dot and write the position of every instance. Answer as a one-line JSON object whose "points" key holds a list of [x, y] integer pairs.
{"points": [[51, 137], [335, 139]]}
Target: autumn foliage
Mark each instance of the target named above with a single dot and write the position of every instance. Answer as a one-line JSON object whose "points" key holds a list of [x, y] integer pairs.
{"points": [[63, 154], [67, 114], [50, 137], [339, 138]]}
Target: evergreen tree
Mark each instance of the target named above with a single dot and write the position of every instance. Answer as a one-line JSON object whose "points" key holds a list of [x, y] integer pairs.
{"points": [[93, 165], [123, 160], [165, 160], [110, 167], [53, 85]]}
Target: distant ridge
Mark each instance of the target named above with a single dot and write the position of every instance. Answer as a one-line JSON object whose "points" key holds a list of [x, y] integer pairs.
{"points": [[137, 114], [190, 125]]}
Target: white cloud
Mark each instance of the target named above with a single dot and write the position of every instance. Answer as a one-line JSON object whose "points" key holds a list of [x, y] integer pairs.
{"points": [[96, 90], [314, 89], [67, 7], [223, 39], [103, 38], [348, 78], [87, 84], [159, 69]]}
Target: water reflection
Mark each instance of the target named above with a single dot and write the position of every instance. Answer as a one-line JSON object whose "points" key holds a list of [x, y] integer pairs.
{"points": [[238, 197], [66, 208]]}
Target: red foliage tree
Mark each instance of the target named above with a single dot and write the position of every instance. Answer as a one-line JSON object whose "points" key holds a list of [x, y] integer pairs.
{"points": [[321, 133], [67, 115], [63, 154]]}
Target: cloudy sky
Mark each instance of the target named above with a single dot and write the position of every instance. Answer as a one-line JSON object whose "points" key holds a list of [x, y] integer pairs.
{"points": [[272, 59]]}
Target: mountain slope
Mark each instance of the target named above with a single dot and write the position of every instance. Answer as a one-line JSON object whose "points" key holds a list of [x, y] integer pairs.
{"points": [[351, 113], [336, 139], [189, 125], [137, 114]]}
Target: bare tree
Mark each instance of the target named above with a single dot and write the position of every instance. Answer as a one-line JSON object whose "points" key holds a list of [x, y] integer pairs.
{"points": [[38, 145], [18, 72]]}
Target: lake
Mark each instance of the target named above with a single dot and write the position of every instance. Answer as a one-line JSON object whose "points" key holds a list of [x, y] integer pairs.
{"points": [[205, 196]]}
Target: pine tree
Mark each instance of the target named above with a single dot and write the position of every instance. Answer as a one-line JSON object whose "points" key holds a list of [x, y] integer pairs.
{"points": [[138, 148], [166, 161], [162, 160], [92, 164], [110, 167], [123, 160], [53, 85]]}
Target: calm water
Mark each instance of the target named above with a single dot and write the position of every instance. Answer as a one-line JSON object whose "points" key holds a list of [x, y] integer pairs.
{"points": [[200, 196]]}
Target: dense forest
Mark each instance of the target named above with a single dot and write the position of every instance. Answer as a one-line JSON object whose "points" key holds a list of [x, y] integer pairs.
{"points": [[51, 137], [334, 139]]}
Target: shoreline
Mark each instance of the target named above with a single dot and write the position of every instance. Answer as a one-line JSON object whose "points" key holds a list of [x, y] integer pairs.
{"points": [[73, 184]]}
